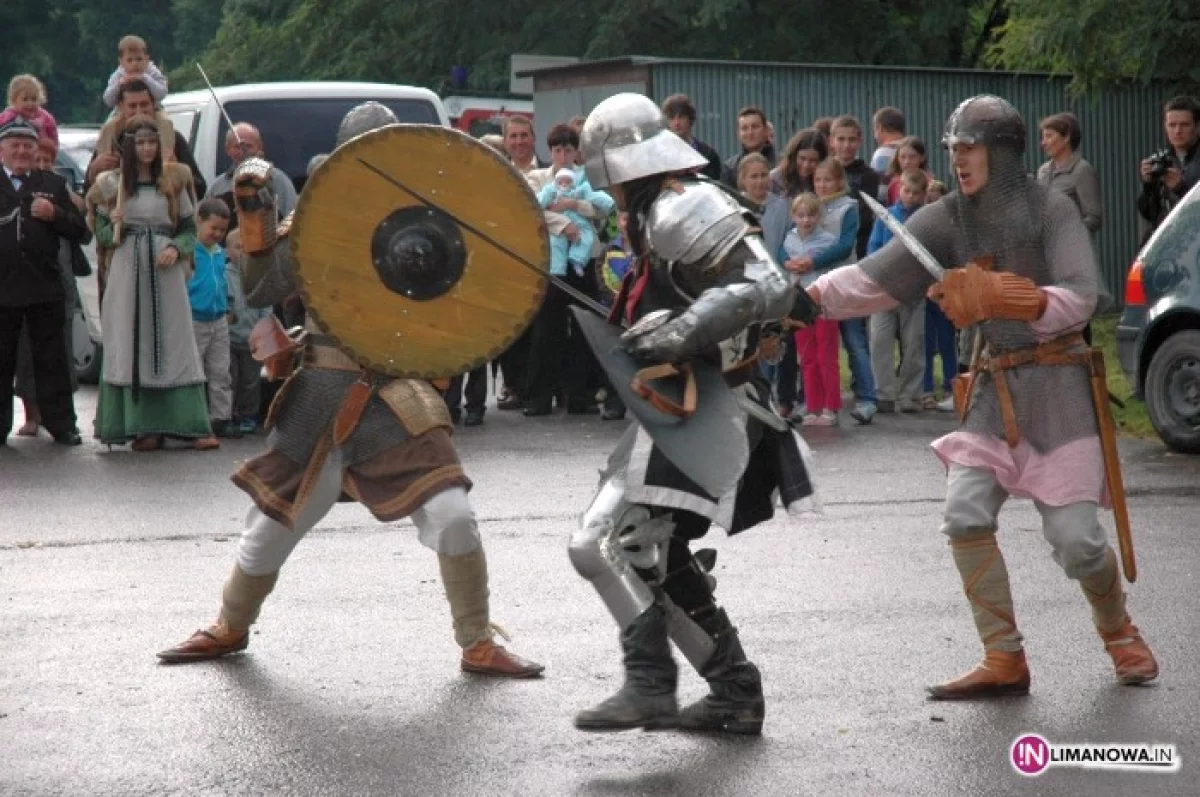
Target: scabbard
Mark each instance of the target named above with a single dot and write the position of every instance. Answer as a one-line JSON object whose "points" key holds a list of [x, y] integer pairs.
{"points": [[354, 402], [1112, 462]]}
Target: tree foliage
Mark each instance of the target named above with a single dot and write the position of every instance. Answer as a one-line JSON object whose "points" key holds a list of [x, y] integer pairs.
{"points": [[418, 41], [71, 44], [1103, 42]]}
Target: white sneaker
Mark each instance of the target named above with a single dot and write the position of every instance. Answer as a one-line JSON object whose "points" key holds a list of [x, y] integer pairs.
{"points": [[946, 404]]}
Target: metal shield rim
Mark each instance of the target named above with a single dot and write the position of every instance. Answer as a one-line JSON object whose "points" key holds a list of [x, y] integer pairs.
{"points": [[524, 190]]}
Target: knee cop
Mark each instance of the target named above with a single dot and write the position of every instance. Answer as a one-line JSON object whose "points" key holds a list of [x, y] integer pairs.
{"points": [[620, 547]]}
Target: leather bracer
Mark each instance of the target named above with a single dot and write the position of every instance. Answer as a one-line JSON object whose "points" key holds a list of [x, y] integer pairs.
{"points": [[258, 214]]}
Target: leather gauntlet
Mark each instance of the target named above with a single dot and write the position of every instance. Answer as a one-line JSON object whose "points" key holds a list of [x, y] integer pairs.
{"points": [[970, 295], [258, 215]]}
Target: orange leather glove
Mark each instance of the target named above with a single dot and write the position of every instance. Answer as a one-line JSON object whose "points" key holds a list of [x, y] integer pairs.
{"points": [[971, 294]]}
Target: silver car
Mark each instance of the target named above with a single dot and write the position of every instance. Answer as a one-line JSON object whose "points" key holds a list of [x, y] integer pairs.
{"points": [[76, 143]]}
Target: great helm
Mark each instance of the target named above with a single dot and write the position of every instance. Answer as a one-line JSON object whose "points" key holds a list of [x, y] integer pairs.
{"points": [[363, 119], [986, 120], [626, 137]]}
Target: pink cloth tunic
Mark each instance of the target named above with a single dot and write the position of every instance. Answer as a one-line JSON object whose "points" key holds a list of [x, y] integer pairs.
{"points": [[1069, 474]]}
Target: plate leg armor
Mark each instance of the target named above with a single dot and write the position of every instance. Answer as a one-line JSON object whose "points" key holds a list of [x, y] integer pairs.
{"points": [[598, 553], [612, 536], [623, 548], [704, 634]]}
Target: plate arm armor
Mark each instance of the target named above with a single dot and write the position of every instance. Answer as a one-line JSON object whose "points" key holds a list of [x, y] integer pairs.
{"points": [[714, 250]]}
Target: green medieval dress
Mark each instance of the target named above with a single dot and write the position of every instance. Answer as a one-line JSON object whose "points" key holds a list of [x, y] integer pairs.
{"points": [[152, 380]]}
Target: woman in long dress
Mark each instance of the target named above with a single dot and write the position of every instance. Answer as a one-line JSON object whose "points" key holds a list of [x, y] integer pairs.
{"points": [[152, 384]]}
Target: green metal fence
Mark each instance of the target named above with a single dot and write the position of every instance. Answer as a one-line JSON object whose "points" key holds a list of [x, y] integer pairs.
{"points": [[1120, 127]]}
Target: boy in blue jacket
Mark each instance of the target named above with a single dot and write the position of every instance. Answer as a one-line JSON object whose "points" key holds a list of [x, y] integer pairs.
{"points": [[208, 294], [905, 323]]}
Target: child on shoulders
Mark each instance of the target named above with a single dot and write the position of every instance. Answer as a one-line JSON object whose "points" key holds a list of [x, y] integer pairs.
{"points": [[133, 61]]}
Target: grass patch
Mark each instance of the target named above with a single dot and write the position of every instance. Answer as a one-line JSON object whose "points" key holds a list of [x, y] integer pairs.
{"points": [[1132, 420]]}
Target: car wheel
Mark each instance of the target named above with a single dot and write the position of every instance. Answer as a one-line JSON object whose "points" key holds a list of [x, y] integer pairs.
{"points": [[1173, 391], [85, 352]]}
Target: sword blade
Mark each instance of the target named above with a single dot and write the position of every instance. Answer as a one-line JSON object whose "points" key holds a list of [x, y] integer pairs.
{"points": [[918, 250], [558, 282], [220, 107]]}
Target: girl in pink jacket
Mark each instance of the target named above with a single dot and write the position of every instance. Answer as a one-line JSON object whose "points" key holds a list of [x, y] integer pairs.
{"points": [[26, 96]]}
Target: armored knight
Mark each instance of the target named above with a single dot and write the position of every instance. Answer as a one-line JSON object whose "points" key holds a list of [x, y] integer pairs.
{"points": [[702, 285], [340, 429], [1030, 424]]}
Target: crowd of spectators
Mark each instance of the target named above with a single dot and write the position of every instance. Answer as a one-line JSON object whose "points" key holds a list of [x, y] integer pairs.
{"points": [[176, 327]]}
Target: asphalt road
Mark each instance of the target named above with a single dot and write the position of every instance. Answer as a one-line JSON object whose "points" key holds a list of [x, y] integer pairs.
{"points": [[351, 686]]}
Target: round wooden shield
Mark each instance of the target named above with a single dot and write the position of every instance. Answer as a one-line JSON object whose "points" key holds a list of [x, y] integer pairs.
{"points": [[421, 251]]}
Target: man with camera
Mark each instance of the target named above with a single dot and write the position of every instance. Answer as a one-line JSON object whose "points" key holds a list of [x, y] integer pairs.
{"points": [[1170, 173]]}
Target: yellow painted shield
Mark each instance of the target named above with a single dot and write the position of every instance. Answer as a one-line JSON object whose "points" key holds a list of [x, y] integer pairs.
{"points": [[421, 251]]}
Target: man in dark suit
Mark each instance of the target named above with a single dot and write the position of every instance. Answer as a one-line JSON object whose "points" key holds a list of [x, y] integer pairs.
{"points": [[35, 212]]}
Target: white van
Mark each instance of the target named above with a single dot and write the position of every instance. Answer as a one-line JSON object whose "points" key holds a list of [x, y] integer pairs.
{"points": [[297, 120]]}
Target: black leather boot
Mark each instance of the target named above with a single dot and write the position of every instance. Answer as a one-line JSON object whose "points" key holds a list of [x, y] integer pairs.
{"points": [[647, 699], [735, 703]]}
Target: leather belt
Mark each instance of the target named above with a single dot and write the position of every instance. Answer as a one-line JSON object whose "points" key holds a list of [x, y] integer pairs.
{"points": [[1051, 353], [329, 359]]}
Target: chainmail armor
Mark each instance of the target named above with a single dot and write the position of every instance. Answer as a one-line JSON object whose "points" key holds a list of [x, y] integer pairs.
{"points": [[269, 277], [1032, 232], [314, 396], [363, 119], [308, 411]]}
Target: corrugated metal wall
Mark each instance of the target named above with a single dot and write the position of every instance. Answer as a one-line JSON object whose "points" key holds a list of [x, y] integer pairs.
{"points": [[556, 106], [1122, 126]]}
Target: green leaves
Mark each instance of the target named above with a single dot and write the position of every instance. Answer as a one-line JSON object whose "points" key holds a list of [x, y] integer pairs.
{"points": [[71, 44], [1102, 42]]}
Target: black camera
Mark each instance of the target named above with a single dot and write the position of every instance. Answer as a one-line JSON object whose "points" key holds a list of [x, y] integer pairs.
{"points": [[1159, 163]]}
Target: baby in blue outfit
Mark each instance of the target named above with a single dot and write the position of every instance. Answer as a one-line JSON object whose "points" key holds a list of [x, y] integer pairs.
{"points": [[562, 251]]}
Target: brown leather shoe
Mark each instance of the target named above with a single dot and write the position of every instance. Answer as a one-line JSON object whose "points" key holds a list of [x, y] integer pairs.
{"points": [[206, 443], [488, 658], [210, 643], [1000, 674], [1131, 655], [150, 442]]}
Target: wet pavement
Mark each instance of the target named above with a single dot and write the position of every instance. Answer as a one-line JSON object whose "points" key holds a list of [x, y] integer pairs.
{"points": [[351, 686]]}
